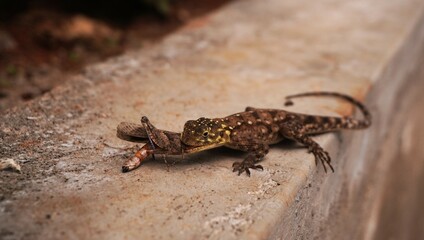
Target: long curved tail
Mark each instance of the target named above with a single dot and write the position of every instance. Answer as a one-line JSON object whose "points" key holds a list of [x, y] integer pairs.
{"points": [[364, 123]]}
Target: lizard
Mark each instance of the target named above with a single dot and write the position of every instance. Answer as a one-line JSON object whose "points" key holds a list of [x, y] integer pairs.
{"points": [[169, 143], [254, 129]]}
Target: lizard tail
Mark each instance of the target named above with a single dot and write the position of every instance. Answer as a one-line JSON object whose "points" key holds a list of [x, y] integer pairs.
{"points": [[366, 122]]}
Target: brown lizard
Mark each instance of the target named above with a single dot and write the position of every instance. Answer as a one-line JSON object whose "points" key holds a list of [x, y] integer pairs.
{"points": [[255, 129], [169, 143]]}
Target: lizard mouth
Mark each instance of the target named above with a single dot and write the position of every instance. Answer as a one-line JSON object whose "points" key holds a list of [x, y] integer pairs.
{"points": [[193, 149]]}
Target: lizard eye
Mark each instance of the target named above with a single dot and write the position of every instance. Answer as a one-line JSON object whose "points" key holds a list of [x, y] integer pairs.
{"points": [[205, 133]]}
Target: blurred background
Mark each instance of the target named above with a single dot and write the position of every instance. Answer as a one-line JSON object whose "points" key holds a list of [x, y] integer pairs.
{"points": [[41, 41]]}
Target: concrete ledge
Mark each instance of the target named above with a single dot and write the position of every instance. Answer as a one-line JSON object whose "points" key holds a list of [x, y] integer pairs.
{"points": [[248, 53]]}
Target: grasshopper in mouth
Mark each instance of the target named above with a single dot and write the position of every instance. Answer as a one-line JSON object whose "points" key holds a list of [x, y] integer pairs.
{"points": [[157, 142]]}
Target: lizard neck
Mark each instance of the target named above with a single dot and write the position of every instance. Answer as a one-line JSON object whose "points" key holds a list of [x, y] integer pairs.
{"points": [[225, 128]]}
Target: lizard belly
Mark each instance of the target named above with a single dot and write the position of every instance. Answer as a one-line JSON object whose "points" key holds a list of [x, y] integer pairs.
{"points": [[275, 140], [241, 145]]}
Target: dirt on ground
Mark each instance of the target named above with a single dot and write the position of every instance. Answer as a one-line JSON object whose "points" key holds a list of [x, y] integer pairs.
{"points": [[42, 42]]}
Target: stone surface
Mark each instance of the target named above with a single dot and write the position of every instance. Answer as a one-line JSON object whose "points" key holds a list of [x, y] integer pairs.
{"points": [[247, 53]]}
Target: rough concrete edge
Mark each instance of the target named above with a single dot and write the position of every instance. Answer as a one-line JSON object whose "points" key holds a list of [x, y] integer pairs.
{"points": [[409, 47], [294, 205], [389, 98]]}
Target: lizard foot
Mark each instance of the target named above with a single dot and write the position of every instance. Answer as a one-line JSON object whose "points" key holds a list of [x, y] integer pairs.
{"points": [[244, 167], [323, 156]]}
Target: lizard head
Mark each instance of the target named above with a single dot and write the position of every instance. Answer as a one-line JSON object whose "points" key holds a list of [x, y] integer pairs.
{"points": [[205, 133]]}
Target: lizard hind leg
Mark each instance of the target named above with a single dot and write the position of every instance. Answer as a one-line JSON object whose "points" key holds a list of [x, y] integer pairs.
{"points": [[293, 130], [321, 155]]}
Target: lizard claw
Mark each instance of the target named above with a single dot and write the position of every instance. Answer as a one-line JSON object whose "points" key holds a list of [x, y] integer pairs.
{"points": [[244, 167], [323, 157]]}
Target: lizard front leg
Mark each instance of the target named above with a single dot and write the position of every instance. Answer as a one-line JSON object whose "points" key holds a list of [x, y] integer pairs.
{"points": [[294, 130], [255, 154]]}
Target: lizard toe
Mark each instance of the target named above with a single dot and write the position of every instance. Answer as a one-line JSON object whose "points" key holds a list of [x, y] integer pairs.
{"points": [[246, 169], [323, 157], [236, 165], [241, 167], [256, 167]]}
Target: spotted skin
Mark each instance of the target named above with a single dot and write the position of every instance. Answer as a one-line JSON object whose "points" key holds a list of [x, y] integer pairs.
{"points": [[255, 129]]}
